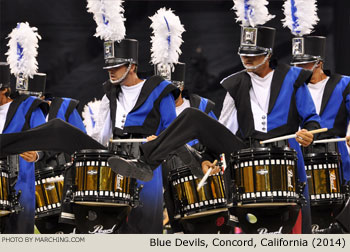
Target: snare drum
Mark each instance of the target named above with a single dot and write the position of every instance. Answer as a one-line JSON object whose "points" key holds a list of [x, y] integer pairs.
{"points": [[5, 203], [95, 184], [190, 203], [265, 176], [323, 176], [48, 191]]}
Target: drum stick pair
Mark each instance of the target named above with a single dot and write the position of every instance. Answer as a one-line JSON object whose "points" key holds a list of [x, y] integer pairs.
{"points": [[276, 139], [204, 179]]}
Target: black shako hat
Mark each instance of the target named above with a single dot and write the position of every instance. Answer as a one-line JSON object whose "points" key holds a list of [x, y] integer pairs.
{"points": [[308, 49], [176, 76], [118, 54], [4, 75], [256, 41], [32, 86]]}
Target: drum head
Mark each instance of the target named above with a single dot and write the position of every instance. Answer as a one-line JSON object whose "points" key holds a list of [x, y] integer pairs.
{"points": [[99, 220], [267, 219], [50, 225]]}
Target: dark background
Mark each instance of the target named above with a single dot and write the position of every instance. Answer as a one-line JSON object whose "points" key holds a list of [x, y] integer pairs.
{"points": [[73, 58]]}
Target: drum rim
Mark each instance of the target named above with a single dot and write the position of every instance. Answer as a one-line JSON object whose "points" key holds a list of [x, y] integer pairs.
{"points": [[321, 154], [184, 170], [92, 151], [42, 173], [265, 149]]}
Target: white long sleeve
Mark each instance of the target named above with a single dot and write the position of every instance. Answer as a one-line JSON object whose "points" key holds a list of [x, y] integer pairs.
{"points": [[228, 116]]}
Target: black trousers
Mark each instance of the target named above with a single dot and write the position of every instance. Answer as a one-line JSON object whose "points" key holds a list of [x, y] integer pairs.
{"points": [[189, 125]]}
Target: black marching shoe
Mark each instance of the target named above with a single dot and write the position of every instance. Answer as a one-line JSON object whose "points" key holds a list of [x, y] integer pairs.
{"points": [[191, 158], [131, 168]]}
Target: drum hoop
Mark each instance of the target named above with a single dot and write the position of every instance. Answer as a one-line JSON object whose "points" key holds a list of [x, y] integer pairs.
{"points": [[48, 171], [321, 155], [271, 150], [92, 151]]}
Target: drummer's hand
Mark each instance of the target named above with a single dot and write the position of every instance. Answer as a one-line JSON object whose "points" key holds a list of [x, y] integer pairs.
{"points": [[348, 140], [304, 137], [150, 138], [207, 164], [30, 156]]}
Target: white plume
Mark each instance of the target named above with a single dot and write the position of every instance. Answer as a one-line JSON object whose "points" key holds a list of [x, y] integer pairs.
{"points": [[300, 16], [109, 17], [23, 49], [252, 12], [90, 115], [167, 37]]}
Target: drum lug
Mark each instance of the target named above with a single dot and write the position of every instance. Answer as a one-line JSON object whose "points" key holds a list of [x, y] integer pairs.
{"points": [[69, 195], [237, 191], [136, 199], [300, 190], [15, 201], [346, 189]]}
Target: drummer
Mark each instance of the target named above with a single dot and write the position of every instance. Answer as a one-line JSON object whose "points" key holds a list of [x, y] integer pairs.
{"points": [[66, 110], [330, 94], [23, 222], [135, 108], [185, 100]]}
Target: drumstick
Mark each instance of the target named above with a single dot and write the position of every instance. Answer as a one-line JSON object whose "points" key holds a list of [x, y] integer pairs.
{"points": [[201, 183], [276, 139], [135, 140], [332, 140]]}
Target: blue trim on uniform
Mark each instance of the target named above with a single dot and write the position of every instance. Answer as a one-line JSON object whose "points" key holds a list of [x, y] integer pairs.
{"points": [[304, 103], [330, 112], [306, 210], [151, 211], [203, 104], [18, 119], [167, 112], [63, 108], [74, 118], [280, 111], [137, 118], [149, 217], [193, 142], [345, 158]]}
